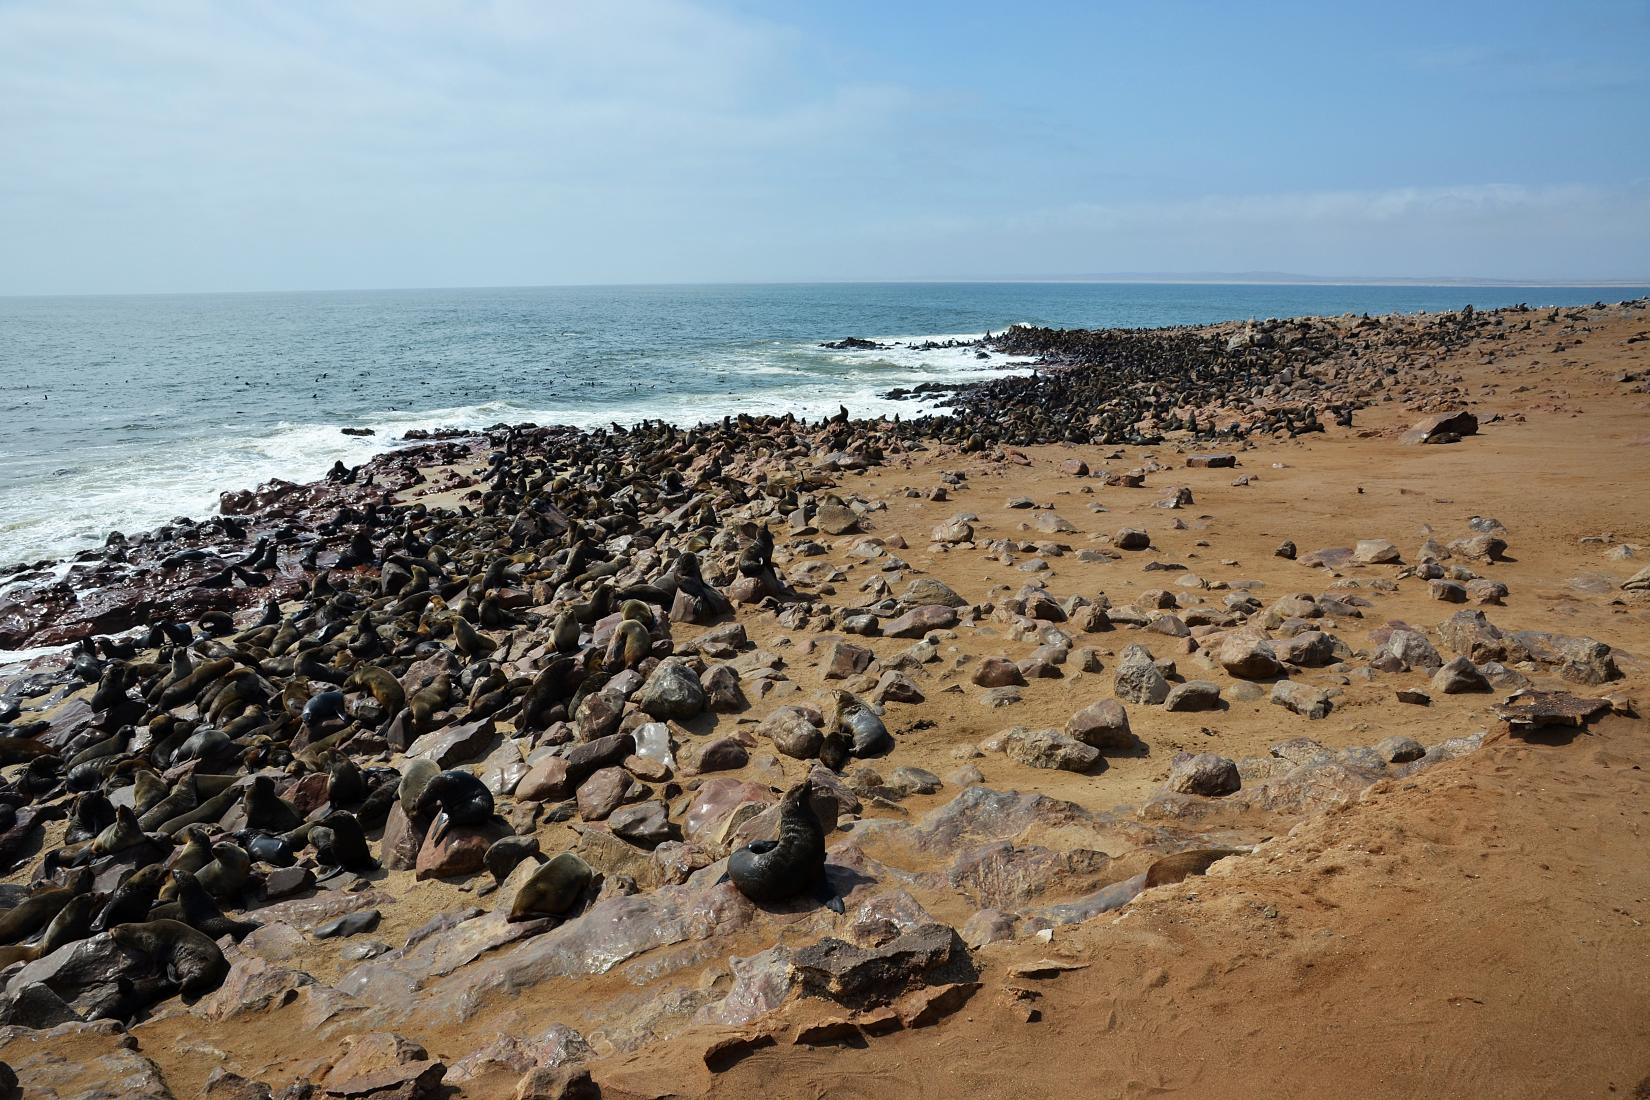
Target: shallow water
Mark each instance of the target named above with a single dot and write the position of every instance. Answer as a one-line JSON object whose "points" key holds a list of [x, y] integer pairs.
{"points": [[122, 412]]}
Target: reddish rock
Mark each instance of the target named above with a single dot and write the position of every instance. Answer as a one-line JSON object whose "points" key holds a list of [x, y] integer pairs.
{"points": [[546, 781], [461, 850]]}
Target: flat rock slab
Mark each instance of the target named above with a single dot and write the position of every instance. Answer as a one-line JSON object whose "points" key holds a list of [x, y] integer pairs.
{"points": [[1541, 709]]}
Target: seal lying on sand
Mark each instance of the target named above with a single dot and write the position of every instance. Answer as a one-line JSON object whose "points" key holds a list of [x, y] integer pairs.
{"points": [[793, 865]]}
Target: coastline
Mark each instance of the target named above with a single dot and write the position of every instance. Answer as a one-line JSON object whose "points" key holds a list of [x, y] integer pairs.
{"points": [[1216, 444]]}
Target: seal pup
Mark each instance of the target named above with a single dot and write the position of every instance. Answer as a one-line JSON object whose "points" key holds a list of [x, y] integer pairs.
{"points": [[770, 871]]}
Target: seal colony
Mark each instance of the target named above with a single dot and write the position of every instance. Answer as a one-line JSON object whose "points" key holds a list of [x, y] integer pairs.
{"points": [[432, 662]]}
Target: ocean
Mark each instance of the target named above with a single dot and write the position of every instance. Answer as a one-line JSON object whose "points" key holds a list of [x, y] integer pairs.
{"points": [[122, 412]]}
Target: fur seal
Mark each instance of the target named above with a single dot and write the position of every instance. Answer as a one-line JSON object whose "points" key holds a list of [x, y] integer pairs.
{"points": [[324, 706], [72, 922], [792, 865], [196, 908], [339, 842], [459, 797], [37, 910], [187, 959], [132, 899], [226, 875]]}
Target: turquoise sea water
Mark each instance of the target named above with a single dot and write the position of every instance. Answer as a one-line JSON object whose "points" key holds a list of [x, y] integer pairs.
{"points": [[121, 412]]}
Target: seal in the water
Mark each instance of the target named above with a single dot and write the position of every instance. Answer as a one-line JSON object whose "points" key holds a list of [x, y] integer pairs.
{"points": [[793, 865]]}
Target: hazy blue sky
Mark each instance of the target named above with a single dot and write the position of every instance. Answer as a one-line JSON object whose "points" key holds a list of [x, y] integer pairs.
{"points": [[151, 146]]}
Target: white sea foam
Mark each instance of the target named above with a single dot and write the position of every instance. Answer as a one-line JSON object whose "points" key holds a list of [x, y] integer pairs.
{"points": [[118, 488]]}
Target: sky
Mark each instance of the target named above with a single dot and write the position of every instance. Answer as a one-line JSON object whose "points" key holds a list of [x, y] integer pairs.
{"points": [[157, 146]]}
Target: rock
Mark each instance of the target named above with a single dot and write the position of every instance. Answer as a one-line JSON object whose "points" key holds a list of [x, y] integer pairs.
{"points": [[1411, 650], [836, 519], [1443, 428], [1301, 699], [1247, 657], [1376, 552], [454, 745], [1137, 679], [1532, 710], [1309, 649], [605, 791], [1486, 548], [1103, 725], [792, 733], [1446, 591], [845, 661], [1459, 677], [283, 882], [1203, 773], [1193, 695], [909, 780], [224, 1085], [1131, 538], [604, 752], [987, 926], [1415, 698], [1400, 750], [724, 754], [998, 672], [1211, 461], [1049, 749], [953, 532], [931, 591], [917, 622], [723, 695], [672, 692], [645, 824], [598, 717], [865, 977], [1285, 550], [382, 1063], [554, 888], [557, 1083], [1638, 582], [1076, 467], [1054, 524], [546, 781], [461, 850], [892, 687], [716, 803], [350, 924]]}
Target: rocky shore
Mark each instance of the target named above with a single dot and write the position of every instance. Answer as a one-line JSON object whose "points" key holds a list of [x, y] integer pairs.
{"points": [[422, 780]]}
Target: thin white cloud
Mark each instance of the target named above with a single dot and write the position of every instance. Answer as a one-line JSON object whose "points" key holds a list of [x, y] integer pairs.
{"points": [[186, 144]]}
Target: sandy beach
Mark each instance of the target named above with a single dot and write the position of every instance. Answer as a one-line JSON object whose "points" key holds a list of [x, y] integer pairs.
{"points": [[1174, 694]]}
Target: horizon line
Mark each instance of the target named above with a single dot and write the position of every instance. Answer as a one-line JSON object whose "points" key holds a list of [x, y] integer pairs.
{"points": [[1144, 278]]}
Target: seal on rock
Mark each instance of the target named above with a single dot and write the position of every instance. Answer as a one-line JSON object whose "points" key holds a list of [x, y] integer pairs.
{"points": [[792, 865]]}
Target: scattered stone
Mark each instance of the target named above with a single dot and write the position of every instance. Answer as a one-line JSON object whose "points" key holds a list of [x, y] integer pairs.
{"points": [[1301, 699], [1104, 725], [1203, 773]]}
